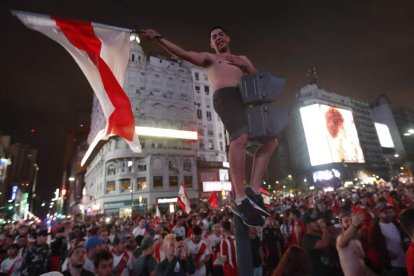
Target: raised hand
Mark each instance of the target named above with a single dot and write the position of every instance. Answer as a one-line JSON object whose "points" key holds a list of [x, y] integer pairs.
{"points": [[150, 34], [237, 61], [357, 219]]}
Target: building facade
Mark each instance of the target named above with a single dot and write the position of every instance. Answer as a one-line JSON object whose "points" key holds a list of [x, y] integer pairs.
{"points": [[300, 154], [400, 123]]}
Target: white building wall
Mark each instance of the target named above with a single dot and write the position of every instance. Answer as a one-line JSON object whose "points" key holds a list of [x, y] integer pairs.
{"points": [[212, 136]]}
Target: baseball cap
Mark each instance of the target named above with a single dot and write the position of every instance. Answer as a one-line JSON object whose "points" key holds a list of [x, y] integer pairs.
{"points": [[147, 242], [93, 242], [382, 207]]}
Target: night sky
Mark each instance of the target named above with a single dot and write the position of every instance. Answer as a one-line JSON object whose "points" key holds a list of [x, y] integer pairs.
{"points": [[360, 49]]}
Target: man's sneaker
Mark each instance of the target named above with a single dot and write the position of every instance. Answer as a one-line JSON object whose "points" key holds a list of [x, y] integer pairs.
{"points": [[247, 213], [258, 202]]}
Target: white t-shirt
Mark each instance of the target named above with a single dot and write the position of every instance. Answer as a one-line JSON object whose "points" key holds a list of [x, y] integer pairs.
{"points": [[393, 241], [7, 264], [88, 265], [194, 249], [138, 231], [128, 267], [214, 246], [179, 231]]}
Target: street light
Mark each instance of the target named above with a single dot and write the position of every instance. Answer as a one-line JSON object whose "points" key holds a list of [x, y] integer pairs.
{"points": [[134, 37], [34, 186]]}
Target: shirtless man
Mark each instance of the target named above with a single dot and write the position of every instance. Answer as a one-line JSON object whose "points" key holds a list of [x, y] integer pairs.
{"points": [[351, 254], [224, 71]]}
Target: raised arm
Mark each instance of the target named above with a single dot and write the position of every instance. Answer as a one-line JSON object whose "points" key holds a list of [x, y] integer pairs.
{"points": [[344, 239], [196, 58]]}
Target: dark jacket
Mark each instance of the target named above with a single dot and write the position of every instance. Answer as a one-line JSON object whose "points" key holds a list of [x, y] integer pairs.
{"points": [[378, 256], [166, 268], [36, 260]]}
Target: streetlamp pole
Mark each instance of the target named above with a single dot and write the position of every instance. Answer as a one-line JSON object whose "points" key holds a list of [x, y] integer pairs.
{"points": [[130, 163], [34, 186]]}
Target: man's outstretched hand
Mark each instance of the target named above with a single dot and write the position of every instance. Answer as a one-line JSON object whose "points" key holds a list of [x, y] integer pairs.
{"points": [[150, 34]]}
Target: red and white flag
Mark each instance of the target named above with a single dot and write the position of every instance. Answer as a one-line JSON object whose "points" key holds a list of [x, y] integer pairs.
{"points": [[157, 214], [102, 53], [183, 200]]}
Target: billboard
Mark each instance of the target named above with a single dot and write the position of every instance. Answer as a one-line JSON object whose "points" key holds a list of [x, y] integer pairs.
{"points": [[384, 135], [331, 135]]}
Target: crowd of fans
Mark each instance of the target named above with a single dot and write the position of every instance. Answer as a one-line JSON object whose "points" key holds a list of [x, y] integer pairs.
{"points": [[365, 231]]}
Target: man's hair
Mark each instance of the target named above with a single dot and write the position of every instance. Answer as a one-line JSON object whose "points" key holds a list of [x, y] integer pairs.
{"points": [[197, 230], [226, 225], [217, 27], [14, 246], [103, 255], [295, 212], [407, 220]]}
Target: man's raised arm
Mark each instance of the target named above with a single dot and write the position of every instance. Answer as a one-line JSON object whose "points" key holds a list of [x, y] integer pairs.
{"points": [[196, 58]]}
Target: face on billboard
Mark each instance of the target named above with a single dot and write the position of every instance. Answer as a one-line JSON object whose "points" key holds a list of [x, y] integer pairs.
{"points": [[331, 135], [384, 135]]}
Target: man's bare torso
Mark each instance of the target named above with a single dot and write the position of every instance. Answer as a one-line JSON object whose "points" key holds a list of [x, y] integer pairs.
{"points": [[222, 74]]}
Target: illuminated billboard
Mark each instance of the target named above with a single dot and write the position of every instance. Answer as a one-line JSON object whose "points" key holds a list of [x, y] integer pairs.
{"points": [[331, 135], [384, 135]]}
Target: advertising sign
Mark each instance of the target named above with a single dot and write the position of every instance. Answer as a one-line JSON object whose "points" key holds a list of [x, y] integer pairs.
{"points": [[331, 135], [384, 135]]}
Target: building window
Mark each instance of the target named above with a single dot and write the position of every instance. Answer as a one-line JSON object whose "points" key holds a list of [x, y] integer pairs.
{"points": [[201, 145], [111, 170], [157, 180], [142, 167], [208, 115], [125, 185], [187, 165], [141, 183], [197, 89], [173, 166], [210, 132], [206, 89], [199, 114], [133, 58], [221, 146], [173, 181], [201, 131], [196, 76], [210, 145], [188, 180], [110, 187]]}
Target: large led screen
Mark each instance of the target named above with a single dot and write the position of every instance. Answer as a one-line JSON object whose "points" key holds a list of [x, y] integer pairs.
{"points": [[384, 135], [331, 135]]}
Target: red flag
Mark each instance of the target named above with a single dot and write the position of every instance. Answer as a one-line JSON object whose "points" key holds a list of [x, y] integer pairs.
{"points": [[183, 200], [102, 53], [213, 200]]}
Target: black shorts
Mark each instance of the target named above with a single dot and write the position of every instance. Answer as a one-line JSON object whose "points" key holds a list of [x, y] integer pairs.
{"points": [[229, 106]]}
